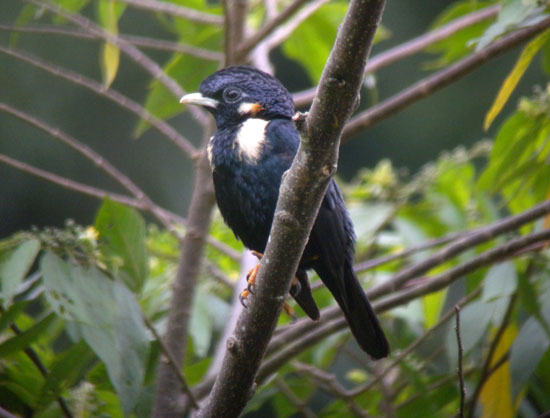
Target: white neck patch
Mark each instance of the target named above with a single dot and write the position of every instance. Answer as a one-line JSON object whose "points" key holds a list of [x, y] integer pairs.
{"points": [[251, 139]]}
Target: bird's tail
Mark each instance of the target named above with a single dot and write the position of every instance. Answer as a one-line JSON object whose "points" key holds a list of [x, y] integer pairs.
{"points": [[360, 315]]}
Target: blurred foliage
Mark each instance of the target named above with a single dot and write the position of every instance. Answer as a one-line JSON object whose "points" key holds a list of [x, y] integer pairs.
{"points": [[76, 297]]}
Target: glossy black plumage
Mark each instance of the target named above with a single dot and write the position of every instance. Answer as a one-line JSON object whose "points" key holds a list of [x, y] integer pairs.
{"points": [[254, 145]]}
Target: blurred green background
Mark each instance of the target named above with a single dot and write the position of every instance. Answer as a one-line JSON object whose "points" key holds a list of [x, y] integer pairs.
{"points": [[443, 121]]}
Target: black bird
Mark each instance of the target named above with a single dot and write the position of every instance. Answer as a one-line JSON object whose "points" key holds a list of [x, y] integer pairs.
{"points": [[254, 145]]}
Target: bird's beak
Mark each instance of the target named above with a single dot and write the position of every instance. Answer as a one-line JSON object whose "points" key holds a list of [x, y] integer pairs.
{"points": [[199, 99]]}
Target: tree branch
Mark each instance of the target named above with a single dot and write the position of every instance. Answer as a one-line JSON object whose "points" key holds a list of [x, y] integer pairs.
{"points": [[474, 238], [167, 389], [131, 51], [142, 41], [411, 47], [116, 97], [268, 27], [301, 193], [440, 79], [175, 10]]}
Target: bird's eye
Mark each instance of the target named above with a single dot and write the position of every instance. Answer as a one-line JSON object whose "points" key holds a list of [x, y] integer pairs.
{"points": [[232, 94]]}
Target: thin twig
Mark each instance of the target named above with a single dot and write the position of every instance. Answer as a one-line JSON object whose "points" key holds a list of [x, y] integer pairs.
{"points": [[35, 359], [492, 349], [304, 326], [330, 383], [470, 240], [300, 406], [131, 51], [116, 97], [440, 79], [460, 354], [412, 46], [333, 320], [376, 262], [141, 41], [102, 194], [404, 353], [268, 27], [175, 10], [283, 32], [172, 361]]}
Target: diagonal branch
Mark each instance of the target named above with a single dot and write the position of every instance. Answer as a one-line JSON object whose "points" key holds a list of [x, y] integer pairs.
{"points": [[411, 47], [267, 28], [441, 79], [142, 41], [112, 95], [175, 10], [302, 191], [131, 51]]}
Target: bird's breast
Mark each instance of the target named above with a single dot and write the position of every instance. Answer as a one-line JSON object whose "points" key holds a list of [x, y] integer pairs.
{"points": [[250, 140]]}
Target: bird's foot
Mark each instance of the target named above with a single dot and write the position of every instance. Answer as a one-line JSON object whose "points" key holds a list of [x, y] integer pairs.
{"points": [[250, 279]]}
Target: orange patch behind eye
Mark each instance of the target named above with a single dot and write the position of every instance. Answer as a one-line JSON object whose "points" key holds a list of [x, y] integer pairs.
{"points": [[256, 108]]}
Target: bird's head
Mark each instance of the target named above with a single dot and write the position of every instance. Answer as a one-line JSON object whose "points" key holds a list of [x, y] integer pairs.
{"points": [[235, 94]]}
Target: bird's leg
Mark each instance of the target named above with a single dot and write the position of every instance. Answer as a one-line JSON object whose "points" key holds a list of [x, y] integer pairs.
{"points": [[251, 278]]}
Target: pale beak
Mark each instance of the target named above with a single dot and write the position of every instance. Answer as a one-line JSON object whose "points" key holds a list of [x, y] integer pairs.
{"points": [[199, 99]]}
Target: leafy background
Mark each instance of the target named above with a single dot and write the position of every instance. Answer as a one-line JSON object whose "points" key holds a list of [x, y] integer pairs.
{"points": [[86, 297]]}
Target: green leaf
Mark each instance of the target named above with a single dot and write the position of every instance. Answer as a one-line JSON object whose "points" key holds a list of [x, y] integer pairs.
{"points": [[109, 12], [512, 14], [109, 318], [311, 42], [64, 372], [11, 314], [27, 337], [515, 75], [501, 280], [14, 269], [458, 44], [527, 351], [122, 237]]}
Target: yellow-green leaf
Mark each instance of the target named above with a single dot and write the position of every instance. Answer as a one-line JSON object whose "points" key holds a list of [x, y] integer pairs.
{"points": [[496, 395], [515, 75], [109, 12], [110, 58]]}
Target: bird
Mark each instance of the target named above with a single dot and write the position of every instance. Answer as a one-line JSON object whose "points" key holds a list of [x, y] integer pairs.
{"points": [[254, 144]]}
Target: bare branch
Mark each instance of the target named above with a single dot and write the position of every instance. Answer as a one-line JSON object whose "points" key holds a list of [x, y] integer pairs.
{"points": [[135, 40], [175, 10], [235, 22], [441, 79], [284, 31], [172, 361], [192, 250], [376, 262], [332, 320], [412, 47], [474, 238], [268, 27], [135, 54], [301, 193], [404, 353], [112, 95]]}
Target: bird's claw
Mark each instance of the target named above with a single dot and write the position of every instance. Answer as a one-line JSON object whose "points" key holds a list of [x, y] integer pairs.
{"points": [[243, 298]]}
